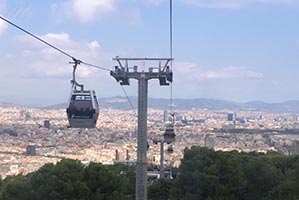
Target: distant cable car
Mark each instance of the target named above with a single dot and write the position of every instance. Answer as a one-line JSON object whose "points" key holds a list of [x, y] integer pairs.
{"points": [[169, 135], [155, 141], [170, 149], [83, 109]]}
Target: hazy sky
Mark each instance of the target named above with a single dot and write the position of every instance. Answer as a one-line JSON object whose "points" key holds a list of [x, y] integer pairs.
{"points": [[238, 50]]}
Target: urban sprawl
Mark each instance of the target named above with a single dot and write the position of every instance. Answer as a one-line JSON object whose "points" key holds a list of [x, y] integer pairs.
{"points": [[30, 138]]}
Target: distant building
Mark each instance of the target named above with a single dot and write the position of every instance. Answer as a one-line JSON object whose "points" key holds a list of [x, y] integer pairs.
{"points": [[210, 140], [47, 123], [127, 155], [199, 121], [31, 150], [27, 116], [261, 117], [241, 120], [189, 118], [295, 118], [178, 118], [165, 116], [230, 117], [116, 155]]}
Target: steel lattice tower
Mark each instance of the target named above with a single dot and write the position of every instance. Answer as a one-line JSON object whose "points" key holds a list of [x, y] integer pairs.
{"points": [[122, 74]]}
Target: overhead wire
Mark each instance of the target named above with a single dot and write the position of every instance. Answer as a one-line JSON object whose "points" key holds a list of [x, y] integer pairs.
{"points": [[170, 33], [170, 49], [91, 65], [129, 100], [68, 55], [52, 46], [38, 38], [132, 107]]}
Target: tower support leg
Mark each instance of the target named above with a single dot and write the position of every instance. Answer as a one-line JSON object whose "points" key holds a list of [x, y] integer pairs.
{"points": [[141, 165]]}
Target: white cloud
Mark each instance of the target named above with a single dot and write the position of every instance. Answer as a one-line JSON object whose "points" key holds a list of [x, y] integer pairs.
{"points": [[93, 45], [195, 72], [231, 72], [37, 72], [234, 4], [83, 10], [193, 81], [61, 40], [44, 61]]}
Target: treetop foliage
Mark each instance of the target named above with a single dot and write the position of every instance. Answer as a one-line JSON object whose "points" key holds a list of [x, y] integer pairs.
{"points": [[204, 174]]}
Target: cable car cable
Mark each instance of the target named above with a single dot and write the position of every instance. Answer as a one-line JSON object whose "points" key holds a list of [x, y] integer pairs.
{"points": [[128, 98], [132, 107], [77, 61], [52, 46], [91, 65], [34, 36], [170, 48], [170, 33]]}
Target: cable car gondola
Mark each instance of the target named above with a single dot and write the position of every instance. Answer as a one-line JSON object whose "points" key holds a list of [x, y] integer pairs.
{"points": [[170, 149], [169, 135], [83, 109]]}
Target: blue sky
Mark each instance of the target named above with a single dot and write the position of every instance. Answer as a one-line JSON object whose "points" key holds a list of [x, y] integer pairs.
{"points": [[239, 50]]}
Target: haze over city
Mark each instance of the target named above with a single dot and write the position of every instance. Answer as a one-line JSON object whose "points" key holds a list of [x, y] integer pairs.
{"points": [[224, 49]]}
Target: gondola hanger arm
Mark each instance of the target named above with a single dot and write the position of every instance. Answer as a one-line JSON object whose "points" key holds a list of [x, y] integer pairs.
{"points": [[76, 62]]}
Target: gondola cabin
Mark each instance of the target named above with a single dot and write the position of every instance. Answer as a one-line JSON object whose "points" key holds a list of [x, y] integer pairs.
{"points": [[83, 110], [169, 135], [170, 149]]}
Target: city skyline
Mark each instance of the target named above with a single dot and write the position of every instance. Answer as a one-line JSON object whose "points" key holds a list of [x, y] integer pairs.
{"points": [[231, 49]]}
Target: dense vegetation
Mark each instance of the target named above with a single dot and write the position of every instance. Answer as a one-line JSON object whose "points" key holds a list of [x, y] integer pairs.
{"points": [[71, 180], [204, 174]]}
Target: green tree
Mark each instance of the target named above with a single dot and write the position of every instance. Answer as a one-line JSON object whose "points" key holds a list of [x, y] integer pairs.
{"points": [[261, 177], [289, 187], [16, 188], [61, 181], [160, 189], [104, 184], [206, 174], [198, 177]]}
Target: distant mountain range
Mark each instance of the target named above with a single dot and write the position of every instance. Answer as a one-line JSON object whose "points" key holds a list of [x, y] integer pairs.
{"points": [[200, 103]]}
